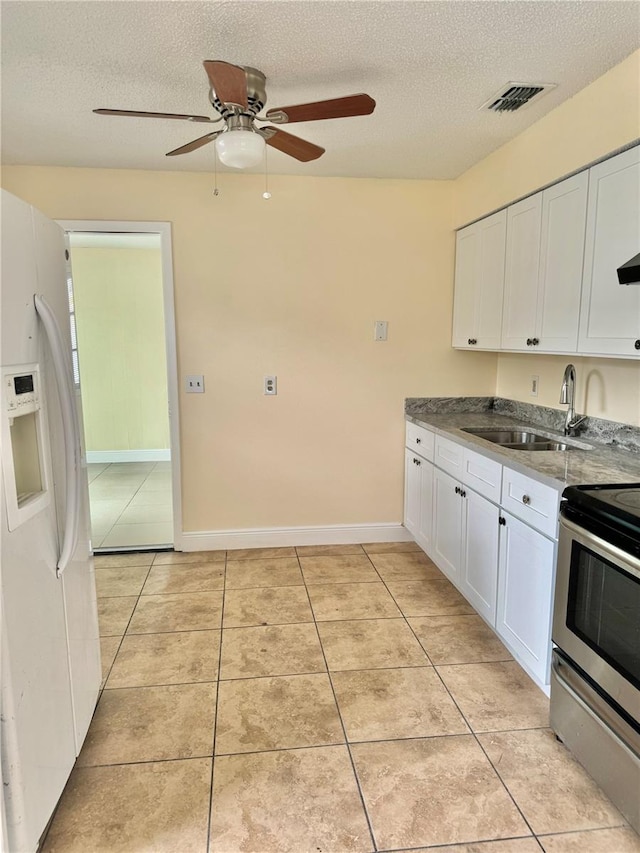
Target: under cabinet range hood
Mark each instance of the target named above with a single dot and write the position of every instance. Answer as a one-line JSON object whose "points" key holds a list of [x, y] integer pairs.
{"points": [[629, 273]]}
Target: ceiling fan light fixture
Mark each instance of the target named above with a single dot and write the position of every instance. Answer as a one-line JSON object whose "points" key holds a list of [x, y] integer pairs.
{"points": [[240, 149]]}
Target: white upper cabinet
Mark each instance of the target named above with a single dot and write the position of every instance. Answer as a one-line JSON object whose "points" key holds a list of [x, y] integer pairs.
{"points": [[545, 249], [610, 312], [524, 221], [479, 283], [564, 212], [555, 256]]}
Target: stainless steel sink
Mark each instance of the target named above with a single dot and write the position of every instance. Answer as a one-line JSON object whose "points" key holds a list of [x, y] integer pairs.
{"points": [[507, 436], [518, 439], [540, 445]]}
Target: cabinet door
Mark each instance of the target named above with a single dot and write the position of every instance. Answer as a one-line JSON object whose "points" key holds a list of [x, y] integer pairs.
{"points": [[412, 489], [564, 212], [610, 312], [447, 524], [521, 277], [479, 283], [418, 498], [466, 283], [525, 595], [479, 575]]}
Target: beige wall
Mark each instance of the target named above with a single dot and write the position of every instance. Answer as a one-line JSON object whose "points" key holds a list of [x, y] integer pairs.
{"points": [[605, 387], [601, 118], [121, 345], [292, 286]]}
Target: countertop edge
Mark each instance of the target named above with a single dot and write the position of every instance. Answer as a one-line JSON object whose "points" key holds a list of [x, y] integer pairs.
{"points": [[610, 464]]}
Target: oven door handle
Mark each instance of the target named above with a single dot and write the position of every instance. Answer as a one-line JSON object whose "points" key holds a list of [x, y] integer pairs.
{"points": [[594, 704], [589, 539]]}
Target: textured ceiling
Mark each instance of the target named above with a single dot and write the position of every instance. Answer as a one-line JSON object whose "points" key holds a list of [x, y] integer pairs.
{"points": [[428, 64]]}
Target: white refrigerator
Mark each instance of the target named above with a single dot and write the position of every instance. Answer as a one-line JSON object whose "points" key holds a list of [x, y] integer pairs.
{"points": [[50, 652]]}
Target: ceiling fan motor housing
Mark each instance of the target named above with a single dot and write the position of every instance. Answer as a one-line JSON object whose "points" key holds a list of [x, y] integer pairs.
{"points": [[256, 95]]}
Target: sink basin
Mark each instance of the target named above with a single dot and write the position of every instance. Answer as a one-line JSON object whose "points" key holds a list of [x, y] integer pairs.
{"points": [[540, 445], [507, 436], [519, 439]]}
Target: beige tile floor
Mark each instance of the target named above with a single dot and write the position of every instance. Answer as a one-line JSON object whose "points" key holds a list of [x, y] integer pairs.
{"points": [[316, 700], [130, 504]]}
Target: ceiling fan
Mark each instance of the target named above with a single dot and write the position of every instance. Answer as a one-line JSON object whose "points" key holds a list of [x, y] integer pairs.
{"points": [[238, 94]]}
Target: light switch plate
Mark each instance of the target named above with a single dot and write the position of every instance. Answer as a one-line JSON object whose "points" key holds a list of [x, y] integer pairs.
{"points": [[533, 387], [380, 330], [194, 384]]}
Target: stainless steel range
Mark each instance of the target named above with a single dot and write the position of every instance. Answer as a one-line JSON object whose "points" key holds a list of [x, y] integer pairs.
{"points": [[595, 673]]}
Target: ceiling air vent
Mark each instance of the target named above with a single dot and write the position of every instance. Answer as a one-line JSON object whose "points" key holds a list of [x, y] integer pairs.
{"points": [[514, 96]]}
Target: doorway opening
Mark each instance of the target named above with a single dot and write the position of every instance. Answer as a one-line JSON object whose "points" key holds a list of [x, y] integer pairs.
{"points": [[123, 338]]}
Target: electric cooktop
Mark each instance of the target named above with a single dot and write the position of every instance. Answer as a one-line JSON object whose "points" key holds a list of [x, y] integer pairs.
{"points": [[614, 506]]}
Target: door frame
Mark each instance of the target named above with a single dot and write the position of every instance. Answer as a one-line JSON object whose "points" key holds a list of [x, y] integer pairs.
{"points": [[164, 230]]}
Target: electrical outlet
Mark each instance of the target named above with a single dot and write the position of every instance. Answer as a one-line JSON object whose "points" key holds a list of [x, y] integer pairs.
{"points": [[271, 385], [533, 388], [194, 384]]}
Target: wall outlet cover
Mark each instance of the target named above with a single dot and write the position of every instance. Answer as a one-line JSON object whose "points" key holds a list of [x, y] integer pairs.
{"points": [[194, 384]]}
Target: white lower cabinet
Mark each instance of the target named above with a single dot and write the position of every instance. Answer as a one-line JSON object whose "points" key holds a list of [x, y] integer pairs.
{"points": [[525, 594], [504, 565], [479, 577], [465, 541], [447, 524], [418, 489]]}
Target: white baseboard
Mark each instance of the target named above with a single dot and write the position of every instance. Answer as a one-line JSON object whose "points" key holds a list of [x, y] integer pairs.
{"points": [[275, 537], [128, 455]]}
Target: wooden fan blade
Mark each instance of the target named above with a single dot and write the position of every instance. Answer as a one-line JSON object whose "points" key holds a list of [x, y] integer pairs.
{"points": [[292, 145], [229, 82], [197, 143], [351, 105], [137, 114]]}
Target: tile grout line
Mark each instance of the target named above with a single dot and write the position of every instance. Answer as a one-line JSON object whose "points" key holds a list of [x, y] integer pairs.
{"points": [[215, 715], [463, 845], [342, 725], [504, 785], [103, 683]]}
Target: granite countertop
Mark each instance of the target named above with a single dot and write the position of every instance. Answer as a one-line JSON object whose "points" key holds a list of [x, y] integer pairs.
{"points": [[603, 463]]}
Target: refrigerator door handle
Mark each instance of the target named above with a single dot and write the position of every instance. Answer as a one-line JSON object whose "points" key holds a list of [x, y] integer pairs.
{"points": [[70, 428]]}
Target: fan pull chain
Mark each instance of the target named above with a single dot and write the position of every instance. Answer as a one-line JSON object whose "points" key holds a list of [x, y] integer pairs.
{"points": [[216, 191], [266, 193]]}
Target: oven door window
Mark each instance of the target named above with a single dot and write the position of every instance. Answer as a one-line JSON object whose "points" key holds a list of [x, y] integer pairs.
{"points": [[604, 610]]}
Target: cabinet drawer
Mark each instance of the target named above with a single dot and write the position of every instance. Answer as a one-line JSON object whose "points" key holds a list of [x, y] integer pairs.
{"points": [[533, 502], [482, 475], [420, 440], [448, 456]]}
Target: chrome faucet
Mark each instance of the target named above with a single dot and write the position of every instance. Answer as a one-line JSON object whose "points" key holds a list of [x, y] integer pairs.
{"points": [[567, 397]]}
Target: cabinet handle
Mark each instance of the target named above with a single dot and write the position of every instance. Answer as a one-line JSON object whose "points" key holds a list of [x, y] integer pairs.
{"points": [[418, 441], [526, 500], [463, 494], [535, 341], [637, 344], [472, 341], [458, 490], [529, 342], [502, 520], [417, 461]]}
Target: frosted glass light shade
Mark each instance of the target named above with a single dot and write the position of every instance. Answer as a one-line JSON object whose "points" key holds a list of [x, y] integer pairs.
{"points": [[240, 148]]}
